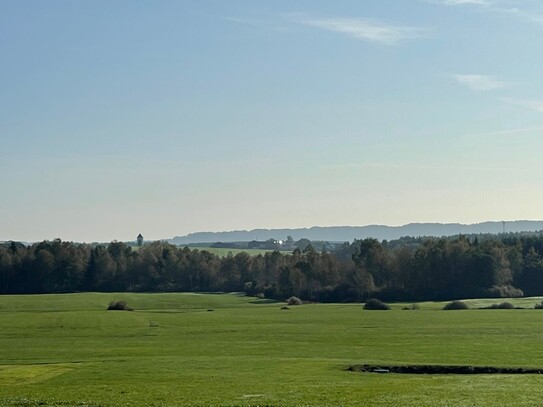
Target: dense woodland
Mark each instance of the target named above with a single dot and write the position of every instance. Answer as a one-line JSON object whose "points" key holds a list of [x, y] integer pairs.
{"points": [[406, 269]]}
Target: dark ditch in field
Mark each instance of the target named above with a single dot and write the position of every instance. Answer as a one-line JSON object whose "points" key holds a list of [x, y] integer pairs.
{"points": [[439, 369]]}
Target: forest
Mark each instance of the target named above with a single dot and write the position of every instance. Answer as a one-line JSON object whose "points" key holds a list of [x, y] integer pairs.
{"points": [[408, 269]]}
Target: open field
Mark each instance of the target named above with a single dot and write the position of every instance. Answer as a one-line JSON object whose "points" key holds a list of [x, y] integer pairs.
{"points": [[68, 350], [223, 252]]}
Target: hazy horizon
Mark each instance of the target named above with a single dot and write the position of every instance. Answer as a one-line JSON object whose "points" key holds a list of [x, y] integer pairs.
{"points": [[324, 234], [168, 118]]}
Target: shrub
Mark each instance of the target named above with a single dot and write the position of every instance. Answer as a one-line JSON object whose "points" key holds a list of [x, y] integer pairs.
{"points": [[411, 307], [119, 306], [539, 306], [294, 301], [503, 305], [375, 304], [455, 305], [506, 305]]}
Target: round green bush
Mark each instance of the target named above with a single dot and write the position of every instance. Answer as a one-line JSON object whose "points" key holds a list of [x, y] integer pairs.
{"points": [[375, 304], [506, 305], [456, 305], [119, 306], [294, 301]]}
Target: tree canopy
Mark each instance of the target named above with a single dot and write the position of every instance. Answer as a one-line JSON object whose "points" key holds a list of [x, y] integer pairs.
{"points": [[409, 269]]}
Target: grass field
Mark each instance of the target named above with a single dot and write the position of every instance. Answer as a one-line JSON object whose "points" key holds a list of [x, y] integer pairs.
{"points": [[63, 350], [223, 252]]}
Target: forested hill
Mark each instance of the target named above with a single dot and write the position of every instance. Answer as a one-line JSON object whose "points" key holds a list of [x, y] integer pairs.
{"points": [[349, 233]]}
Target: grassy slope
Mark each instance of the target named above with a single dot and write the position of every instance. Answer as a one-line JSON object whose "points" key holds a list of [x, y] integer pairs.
{"points": [[67, 350]]}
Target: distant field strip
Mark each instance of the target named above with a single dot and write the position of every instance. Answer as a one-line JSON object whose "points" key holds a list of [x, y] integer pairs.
{"points": [[224, 252]]}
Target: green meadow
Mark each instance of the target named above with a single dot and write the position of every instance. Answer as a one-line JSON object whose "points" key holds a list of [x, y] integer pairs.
{"points": [[224, 252], [229, 349]]}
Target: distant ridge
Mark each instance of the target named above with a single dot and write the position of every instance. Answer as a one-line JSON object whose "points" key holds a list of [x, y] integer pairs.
{"points": [[349, 233]]}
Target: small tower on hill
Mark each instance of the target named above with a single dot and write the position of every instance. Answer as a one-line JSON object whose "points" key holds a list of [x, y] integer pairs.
{"points": [[139, 240]]}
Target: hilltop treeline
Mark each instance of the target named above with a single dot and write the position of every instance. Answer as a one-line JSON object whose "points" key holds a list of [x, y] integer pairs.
{"points": [[409, 269]]}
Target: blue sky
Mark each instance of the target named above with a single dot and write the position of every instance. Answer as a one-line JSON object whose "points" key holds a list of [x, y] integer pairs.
{"points": [[170, 117]]}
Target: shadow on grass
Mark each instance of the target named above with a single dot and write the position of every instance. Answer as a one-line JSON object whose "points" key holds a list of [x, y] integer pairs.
{"points": [[442, 369]]}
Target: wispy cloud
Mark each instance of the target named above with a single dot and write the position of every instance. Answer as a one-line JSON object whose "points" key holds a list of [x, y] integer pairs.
{"points": [[364, 29], [245, 21], [532, 104], [480, 83], [460, 2], [511, 131], [497, 6], [535, 17]]}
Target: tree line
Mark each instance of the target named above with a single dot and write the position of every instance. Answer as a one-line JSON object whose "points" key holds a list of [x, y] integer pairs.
{"points": [[407, 269]]}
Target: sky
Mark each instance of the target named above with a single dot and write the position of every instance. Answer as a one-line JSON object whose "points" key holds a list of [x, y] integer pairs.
{"points": [[170, 117]]}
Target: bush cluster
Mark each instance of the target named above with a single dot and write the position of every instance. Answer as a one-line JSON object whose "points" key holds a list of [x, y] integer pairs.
{"points": [[503, 305], [119, 306], [413, 306], [455, 305], [375, 304], [294, 301]]}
